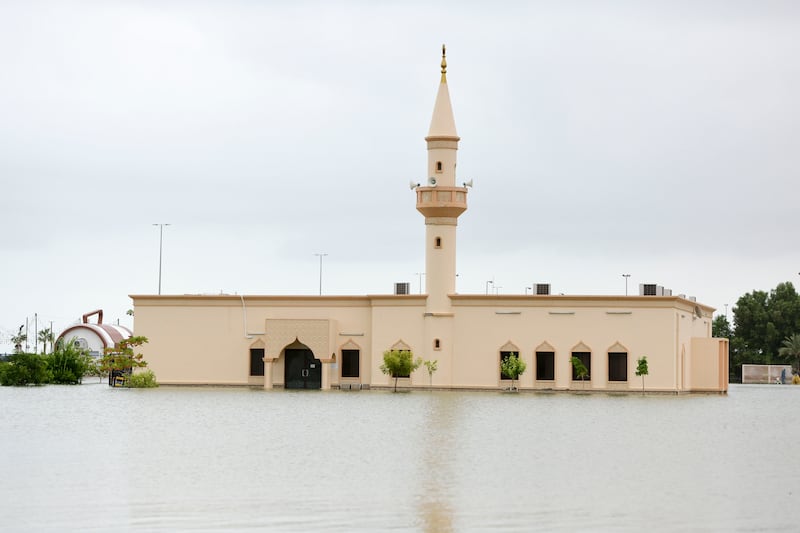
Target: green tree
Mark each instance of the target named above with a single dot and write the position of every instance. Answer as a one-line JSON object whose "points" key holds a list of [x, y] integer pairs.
{"points": [[432, 366], [580, 369], [46, 337], [24, 369], [122, 357], [642, 369], [513, 367], [18, 340], [761, 322], [721, 328], [399, 364], [790, 350], [68, 363]]}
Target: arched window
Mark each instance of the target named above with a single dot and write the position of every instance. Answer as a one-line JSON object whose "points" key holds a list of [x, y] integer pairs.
{"points": [[506, 351], [584, 355], [617, 363]]}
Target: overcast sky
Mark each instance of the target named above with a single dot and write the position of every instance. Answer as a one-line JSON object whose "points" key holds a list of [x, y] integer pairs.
{"points": [[660, 139]]}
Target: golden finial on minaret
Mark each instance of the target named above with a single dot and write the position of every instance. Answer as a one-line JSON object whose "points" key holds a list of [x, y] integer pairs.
{"points": [[444, 65]]}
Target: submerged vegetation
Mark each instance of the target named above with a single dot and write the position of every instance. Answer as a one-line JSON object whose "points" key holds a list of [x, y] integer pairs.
{"points": [[67, 364]]}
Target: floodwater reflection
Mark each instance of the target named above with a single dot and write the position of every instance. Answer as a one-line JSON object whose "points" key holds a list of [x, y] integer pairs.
{"points": [[210, 459]]}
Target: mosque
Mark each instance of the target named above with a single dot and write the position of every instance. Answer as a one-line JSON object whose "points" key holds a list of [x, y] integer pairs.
{"points": [[328, 342]]}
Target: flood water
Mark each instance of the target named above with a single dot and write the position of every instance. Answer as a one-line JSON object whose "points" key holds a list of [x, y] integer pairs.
{"points": [[220, 459]]}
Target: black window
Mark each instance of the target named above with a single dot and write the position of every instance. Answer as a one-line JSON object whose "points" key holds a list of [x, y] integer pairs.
{"points": [[256, 361], [503, 357], [350, 362], [586, 359], [438, 242], [545, 366], [617, 366], [438, 166]]}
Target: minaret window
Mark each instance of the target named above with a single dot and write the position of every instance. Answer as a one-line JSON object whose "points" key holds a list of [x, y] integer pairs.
{"points": [[437, 345], [437, 242], [438, 166]]}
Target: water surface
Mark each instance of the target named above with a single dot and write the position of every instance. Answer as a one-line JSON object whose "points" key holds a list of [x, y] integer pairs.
{"points": [[212, 459]]}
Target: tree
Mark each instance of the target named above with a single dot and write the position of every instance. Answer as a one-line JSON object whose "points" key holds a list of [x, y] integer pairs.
{"points": [[121, 359], [761, 322], [432, 366], [399, 364], [19, 339], [46, 337], [641, 369], [721, 328], [790, 350], [513, 367], [580, 369]]}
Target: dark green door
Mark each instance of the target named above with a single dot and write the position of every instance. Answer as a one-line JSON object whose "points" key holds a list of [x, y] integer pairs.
{"points": [[301, 370]]}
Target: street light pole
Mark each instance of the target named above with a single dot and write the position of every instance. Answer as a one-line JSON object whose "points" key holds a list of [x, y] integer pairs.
{"points": [[528, 289], [488, 282], [419, 279], [626, 276], [320, 271], [160, 249]]}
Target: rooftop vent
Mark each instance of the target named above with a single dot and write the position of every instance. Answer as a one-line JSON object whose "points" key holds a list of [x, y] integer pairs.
{"points": [[651, 289], [402, 288], [541, 289]]}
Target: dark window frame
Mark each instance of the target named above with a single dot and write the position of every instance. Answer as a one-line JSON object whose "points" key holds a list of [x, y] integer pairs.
{"points": [[618, 366], [586, 359], [351, 363], [503, 356], [256, 361], [544, 367]]}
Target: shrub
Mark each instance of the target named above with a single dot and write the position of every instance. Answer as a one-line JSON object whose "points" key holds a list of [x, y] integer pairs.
{"points": [[24, 369], [143, 380], [68, 363], [399, 364]]}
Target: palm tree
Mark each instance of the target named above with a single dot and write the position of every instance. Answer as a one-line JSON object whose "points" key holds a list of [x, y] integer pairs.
{"points": [[45, 337], [791, 349], [18, 340]]}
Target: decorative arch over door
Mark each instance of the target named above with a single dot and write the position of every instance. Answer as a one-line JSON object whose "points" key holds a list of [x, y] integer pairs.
{"points": [[301, 370]]}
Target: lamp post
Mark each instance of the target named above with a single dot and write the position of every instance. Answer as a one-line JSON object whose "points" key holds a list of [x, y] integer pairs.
{"points": [[320, 255], [626, 276], [497, 289], [528, 289], [419, 279], [160, 249], [726, 312], [488, 282]]}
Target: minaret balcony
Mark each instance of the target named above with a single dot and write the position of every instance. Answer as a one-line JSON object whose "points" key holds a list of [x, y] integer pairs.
{"points": [[441, 202]]}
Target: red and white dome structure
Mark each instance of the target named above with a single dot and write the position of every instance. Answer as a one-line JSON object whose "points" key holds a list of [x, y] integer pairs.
{"points": [[95, 337]]}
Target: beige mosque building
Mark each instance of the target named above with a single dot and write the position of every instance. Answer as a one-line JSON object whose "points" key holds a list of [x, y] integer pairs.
{"points": [[328, 342]]}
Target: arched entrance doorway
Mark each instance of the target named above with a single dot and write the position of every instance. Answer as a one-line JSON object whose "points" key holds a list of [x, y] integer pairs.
{"points": [[301, 370]]}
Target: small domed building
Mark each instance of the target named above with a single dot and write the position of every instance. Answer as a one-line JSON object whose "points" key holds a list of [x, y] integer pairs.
{"points": [[95, 337]]}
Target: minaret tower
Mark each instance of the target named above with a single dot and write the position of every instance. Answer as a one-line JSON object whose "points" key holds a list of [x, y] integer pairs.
{"points": [[441, 201]]}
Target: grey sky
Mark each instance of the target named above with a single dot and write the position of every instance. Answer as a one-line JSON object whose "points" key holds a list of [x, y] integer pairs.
{"points": [[659, 139]]}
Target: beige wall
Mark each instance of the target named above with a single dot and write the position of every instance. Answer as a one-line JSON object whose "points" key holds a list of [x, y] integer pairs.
{"points": [[198, 340]]}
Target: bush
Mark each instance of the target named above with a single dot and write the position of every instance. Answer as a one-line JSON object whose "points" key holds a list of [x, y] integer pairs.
{"points": [[25, 369], [68, 364], [143, 380]]}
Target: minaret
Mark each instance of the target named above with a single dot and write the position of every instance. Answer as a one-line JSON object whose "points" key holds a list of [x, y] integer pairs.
{"points": [[441, 201]]}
